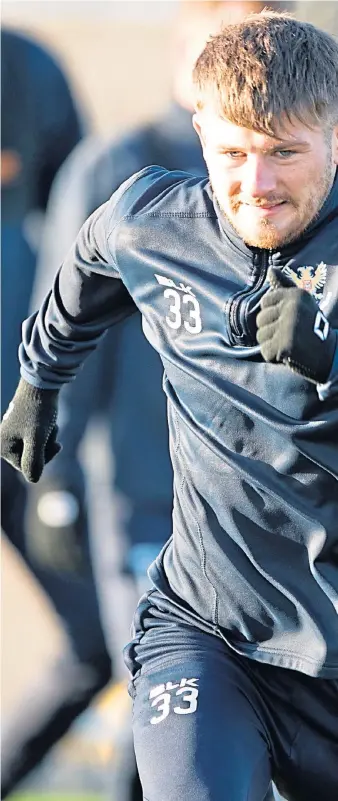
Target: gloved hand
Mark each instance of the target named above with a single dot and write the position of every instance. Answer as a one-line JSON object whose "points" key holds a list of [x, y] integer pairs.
{"points": [[292, 330], [28, 430]]}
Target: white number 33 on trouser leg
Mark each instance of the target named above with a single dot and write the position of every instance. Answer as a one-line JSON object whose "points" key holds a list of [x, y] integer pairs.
{"points": [[178, 698]]}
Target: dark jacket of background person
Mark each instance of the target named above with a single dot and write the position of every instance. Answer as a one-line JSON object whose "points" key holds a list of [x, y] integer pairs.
{"points": [[40, 126]]}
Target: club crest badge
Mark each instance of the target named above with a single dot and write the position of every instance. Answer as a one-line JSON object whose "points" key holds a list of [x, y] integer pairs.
{"points": [[312, 279]]}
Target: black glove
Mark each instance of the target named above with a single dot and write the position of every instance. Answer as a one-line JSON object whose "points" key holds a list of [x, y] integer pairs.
{"points": [[292, 330], [29, 430]]}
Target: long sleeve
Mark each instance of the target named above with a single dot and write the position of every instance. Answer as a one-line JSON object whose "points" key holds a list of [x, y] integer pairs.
{"points": [[87, 297], [85, 181], [82, 184]]}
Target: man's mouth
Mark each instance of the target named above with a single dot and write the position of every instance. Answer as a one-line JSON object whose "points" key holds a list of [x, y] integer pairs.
{"points": [[266, 209]]}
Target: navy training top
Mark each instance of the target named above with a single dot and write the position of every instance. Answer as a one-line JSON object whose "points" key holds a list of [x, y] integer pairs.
{"points": [[254, 552]]}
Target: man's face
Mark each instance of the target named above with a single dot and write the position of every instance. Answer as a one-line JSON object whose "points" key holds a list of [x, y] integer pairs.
{"points": [[270, 188]]}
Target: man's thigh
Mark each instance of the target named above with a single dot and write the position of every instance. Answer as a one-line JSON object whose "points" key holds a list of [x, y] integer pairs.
{"points": [[197, 734]]}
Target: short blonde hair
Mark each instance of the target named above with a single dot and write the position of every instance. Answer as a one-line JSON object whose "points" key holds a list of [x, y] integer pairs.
{"points": [[267, 68]]}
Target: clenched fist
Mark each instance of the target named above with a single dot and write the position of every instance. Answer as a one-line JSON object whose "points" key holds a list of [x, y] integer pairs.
{"points": [[292, 330], [29, 430]]}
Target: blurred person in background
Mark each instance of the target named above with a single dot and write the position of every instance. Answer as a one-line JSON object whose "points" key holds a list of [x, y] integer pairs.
{"points": [[131, 400], [40, 126]]}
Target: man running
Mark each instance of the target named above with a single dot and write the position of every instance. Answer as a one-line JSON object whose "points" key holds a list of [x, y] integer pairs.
{"points": [[234, 659]]}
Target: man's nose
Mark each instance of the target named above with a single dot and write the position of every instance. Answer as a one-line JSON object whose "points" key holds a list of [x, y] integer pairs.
{"points": [[258, 180]]}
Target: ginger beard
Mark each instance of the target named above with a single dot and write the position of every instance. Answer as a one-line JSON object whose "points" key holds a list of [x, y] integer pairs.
{"points": [[270, 187], [284, 222]]}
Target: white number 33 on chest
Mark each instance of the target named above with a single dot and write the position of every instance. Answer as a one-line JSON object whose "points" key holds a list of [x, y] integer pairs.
{"points": [[183, 310], [183, 307]]}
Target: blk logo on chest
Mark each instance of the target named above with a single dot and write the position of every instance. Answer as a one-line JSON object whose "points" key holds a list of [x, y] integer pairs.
{"points": [[183, 311], [177, 697]]}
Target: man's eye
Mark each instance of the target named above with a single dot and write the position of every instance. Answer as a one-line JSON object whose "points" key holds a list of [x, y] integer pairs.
{"points": [[285, 154], [234, 154]]}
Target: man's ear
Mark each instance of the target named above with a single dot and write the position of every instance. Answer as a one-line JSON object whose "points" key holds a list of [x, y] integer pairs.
{"points": [[335, 145], [198, 128]]}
